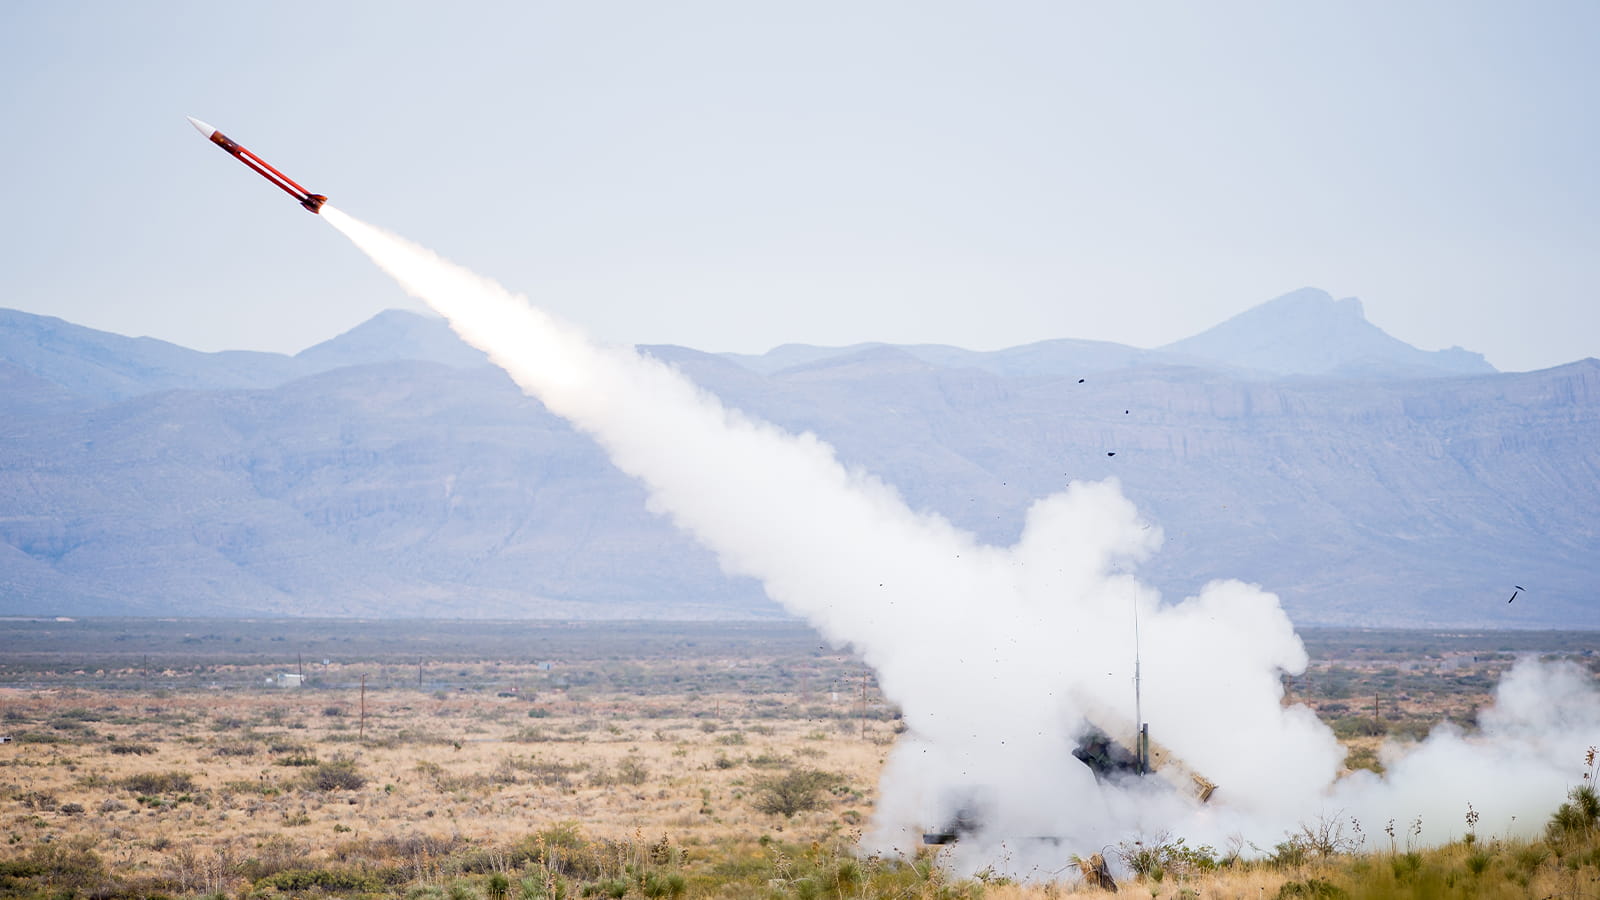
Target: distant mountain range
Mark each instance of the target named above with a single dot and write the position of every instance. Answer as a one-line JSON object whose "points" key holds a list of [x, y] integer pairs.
{"points": [[391, 471]]}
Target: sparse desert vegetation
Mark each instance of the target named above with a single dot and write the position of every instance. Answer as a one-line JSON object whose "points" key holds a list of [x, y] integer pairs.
{"points": [[483, 761]]}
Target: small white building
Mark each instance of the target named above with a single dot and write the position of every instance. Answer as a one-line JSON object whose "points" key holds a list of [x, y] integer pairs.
{"points": [[290, 680]]}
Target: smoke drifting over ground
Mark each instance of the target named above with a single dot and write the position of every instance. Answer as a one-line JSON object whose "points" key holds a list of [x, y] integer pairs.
{"points": [[998, 655]]}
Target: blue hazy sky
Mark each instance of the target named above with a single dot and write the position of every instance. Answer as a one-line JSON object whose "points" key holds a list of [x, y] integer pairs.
{"points": [[735, 175]]}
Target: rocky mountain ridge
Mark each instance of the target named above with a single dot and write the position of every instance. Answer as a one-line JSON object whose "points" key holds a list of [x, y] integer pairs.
{"points": [[392, 472]]}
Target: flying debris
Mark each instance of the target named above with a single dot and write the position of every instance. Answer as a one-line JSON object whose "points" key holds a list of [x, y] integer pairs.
{"points": [[1519, 589], [310, 201]]}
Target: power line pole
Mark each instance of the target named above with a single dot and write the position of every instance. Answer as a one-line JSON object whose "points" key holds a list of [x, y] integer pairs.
{"points": [[863, 706]]}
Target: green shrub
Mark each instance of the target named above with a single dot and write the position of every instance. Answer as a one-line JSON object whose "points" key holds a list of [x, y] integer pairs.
{"points": [[1364, 758], [663, 884], [1530, 858], [1311, 887], [1578, 818], [150, 783], [798, 790], [338, 774], [67, 868], [327, 880], [767, 759], [1406, 866], [1359, 726], [633, 772], [1157, 857], [1478, 862]]}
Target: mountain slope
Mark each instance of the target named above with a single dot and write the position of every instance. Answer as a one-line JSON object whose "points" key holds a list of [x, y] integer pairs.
{"points": [[403, 489], [390, 336], [100, 366], [1392, 502], [410, 488], [1307, 332], [1062, 356]]}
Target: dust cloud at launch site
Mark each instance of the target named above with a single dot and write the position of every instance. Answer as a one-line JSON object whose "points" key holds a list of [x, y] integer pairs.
{"points": [[999, 655]]}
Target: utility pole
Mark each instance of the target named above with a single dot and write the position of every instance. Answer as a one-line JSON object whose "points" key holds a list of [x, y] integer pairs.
{"points": [[361, 733], [863, 706]]}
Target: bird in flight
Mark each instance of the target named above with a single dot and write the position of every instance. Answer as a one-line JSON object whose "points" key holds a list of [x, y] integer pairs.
{"points": [[1519, 589]]}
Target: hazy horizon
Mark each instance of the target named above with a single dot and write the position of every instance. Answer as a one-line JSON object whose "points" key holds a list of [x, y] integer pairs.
{"points": [[732, 178]]}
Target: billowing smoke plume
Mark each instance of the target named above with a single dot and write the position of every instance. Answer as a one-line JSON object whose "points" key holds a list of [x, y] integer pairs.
{"points": [[998, 656]]}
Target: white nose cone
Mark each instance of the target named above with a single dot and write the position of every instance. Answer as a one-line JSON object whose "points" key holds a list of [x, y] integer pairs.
{"points": [[201, 127]]}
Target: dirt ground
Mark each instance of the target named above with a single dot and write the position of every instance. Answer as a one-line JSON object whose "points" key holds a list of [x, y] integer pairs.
{"points": [[177, 757]]}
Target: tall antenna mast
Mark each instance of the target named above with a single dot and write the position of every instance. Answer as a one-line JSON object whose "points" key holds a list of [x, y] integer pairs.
{"points": [[1140, 732]]}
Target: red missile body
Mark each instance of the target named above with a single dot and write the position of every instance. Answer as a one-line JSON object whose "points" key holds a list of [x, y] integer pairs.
{"points": [[310, 201]]}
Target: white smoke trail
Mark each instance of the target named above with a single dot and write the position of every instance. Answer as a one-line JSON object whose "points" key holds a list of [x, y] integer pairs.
{"points": [[996, 655]]}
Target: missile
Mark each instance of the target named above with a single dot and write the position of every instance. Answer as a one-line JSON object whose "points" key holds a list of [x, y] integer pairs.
{"points": [[310, 201]]}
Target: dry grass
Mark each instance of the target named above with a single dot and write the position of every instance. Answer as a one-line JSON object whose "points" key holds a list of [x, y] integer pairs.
{"points": [[229, 775], [611, 774], [1245, 884]]}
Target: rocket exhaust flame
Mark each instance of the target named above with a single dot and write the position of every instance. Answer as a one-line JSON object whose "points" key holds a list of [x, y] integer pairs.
{"points": [[996, 655]]}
